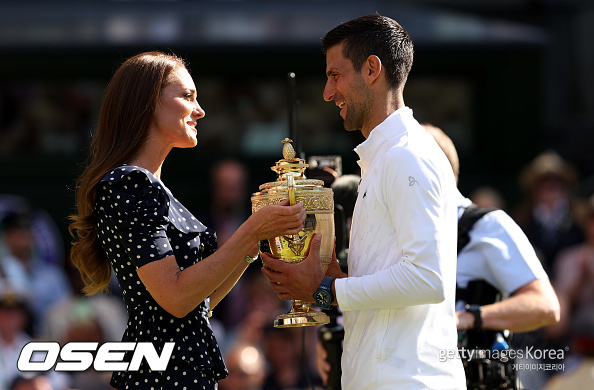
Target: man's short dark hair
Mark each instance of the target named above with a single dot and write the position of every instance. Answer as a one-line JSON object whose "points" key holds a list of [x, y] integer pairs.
{"points": [[375, 35]]}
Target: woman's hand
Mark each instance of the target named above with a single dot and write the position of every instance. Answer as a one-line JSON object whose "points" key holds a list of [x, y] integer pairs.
{"points": [[278, 219]]}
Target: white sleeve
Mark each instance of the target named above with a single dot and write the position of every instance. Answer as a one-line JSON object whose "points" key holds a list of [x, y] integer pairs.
{"points": [[508, 257], [412, 189]]}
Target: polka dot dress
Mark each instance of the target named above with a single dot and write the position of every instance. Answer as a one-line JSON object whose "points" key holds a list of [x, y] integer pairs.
{"points": [[139, 221]]}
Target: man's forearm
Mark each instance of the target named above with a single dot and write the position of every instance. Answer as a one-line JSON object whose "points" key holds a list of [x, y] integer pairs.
{"points": [[521, 313]]}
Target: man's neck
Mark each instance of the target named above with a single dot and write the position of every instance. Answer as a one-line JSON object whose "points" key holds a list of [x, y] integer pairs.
{"points": [[382, 110]]}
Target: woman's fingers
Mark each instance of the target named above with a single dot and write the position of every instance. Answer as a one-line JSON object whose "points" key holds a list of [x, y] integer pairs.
{"points": [[279, 219]]}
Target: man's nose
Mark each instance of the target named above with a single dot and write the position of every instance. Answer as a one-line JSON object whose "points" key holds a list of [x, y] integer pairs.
{"points": [[329, 92]]}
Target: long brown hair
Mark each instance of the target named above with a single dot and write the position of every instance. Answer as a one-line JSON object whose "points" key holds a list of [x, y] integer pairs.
{"points": [[128, 107]]}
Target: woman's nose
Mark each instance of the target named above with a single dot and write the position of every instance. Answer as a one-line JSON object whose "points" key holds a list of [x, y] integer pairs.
{"points": [[198, 111]]}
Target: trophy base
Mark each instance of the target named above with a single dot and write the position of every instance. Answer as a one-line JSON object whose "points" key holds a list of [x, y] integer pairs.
{"points": [[291, 320]]}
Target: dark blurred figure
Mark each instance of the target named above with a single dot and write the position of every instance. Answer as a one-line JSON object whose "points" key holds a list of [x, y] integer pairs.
{"points": [[79, 318], [345, 190], [325, 174], [48, 242], [260, 308], [23, 271], [574, 274], [487, 197], [247, 368], [107, 309], [15, 324], [229, 208], [546, 215], [86, 327], [38, 382], [230, 199], [282, 348], [578, 374]]}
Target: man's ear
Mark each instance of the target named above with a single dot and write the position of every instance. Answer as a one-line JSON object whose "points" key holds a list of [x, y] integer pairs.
{"points": [[372, 68]]}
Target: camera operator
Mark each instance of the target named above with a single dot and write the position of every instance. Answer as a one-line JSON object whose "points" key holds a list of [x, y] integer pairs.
{"points": [[497, 261]]}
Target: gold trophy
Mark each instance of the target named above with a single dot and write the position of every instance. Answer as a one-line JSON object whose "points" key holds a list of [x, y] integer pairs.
{"points": [[318, 202]]}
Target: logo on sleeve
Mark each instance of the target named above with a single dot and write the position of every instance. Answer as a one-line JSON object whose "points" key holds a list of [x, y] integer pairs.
{"points": [[412, 181]]}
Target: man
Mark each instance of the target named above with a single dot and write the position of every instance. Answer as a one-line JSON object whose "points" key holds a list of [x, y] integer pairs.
{"points": [[497, 259], [499, 252], [398, 298]]}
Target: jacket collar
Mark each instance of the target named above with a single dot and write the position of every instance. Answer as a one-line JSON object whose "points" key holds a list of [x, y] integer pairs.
{"points": [[394, 126]]}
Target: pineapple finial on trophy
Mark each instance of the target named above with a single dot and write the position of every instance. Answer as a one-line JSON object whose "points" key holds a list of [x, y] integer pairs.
{"points": [[288, 151]]}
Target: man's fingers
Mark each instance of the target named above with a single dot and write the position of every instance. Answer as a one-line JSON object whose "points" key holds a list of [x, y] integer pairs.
{"points": [[315, 244], [272, 263], [284, 202]]}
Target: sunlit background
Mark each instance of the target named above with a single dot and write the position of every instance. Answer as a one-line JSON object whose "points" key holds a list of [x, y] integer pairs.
{"points": [[506, 79]]}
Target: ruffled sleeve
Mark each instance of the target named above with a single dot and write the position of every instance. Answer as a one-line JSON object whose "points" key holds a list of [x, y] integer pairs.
{"points": [[138, 213]]}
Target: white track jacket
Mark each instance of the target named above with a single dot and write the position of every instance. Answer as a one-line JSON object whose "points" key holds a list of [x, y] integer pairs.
{"points": [[398, 301]]}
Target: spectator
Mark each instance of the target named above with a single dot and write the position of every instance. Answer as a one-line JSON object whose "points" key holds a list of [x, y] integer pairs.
{"points": [[545, 215], [574, 273], [37, 382], [229, 208], [14, 334], [284, 356], [578, 375], [488, 197], [43, 284], [246, 365], [230, 199]]}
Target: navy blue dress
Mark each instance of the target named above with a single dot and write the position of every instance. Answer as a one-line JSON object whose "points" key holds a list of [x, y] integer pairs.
{"points": [[140, 221]]}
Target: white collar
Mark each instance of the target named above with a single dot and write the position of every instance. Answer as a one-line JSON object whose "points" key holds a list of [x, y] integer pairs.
{"points": [[392, 127]]}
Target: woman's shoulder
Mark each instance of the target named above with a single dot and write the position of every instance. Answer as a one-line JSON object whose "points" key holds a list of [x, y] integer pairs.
{"points": [[131, 173], [130, 185], [135, 188], [132, 180]]}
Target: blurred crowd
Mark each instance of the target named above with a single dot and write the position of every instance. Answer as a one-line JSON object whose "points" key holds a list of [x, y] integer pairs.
{"points": [[40, 295]]}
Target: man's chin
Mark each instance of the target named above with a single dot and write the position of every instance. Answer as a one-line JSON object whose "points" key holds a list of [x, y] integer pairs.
{"points": [[350, 126]]}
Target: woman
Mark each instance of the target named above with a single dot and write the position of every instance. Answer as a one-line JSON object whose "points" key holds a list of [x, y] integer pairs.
{"points": [[163, 257]]}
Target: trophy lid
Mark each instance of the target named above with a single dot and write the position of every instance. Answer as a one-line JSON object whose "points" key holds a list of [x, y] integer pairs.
{"points": [[292, 183], [290, 165]]}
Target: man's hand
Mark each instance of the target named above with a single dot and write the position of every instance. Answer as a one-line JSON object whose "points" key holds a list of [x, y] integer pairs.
{"points": [[464, 320], [295, 281]]}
